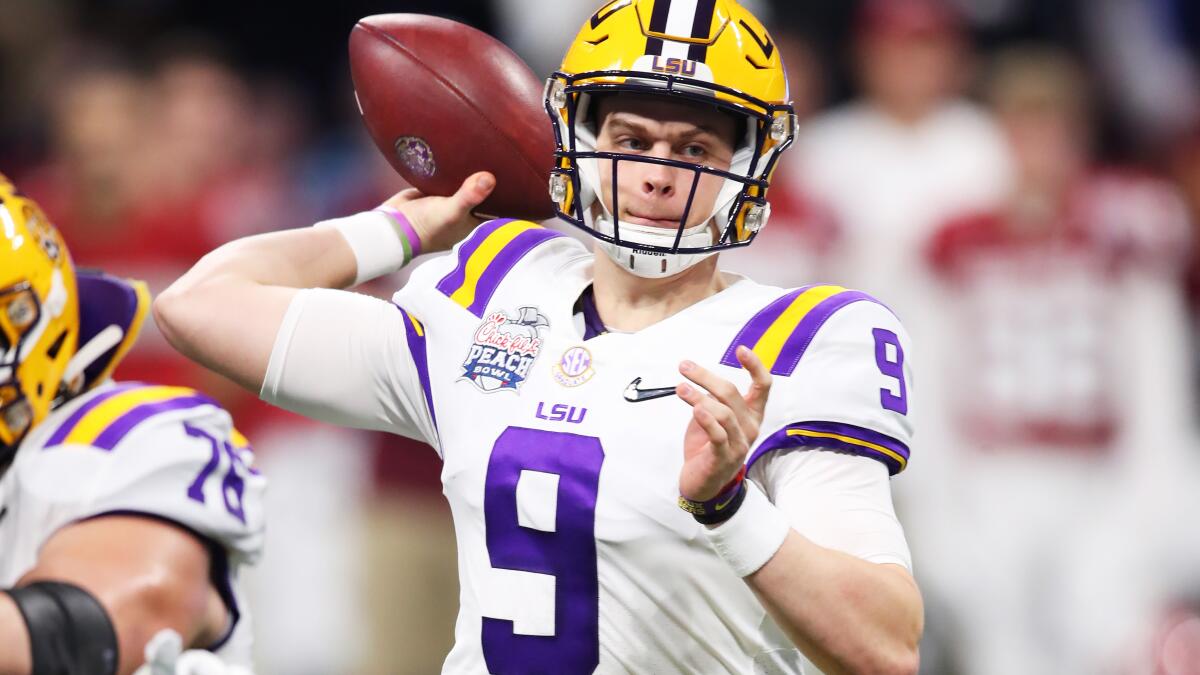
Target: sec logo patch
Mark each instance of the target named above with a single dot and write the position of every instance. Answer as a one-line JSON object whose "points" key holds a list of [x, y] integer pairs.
{"points": [[574, 368]]}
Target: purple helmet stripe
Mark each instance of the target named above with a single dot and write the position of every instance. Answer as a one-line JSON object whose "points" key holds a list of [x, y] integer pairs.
{"points": [[114, 432], [66, 427], [700, 27], [658, 16], [658, 24]]}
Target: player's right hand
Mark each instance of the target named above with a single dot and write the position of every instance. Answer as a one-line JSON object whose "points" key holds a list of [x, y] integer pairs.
{"points": [[442, 222], [724, 425]]}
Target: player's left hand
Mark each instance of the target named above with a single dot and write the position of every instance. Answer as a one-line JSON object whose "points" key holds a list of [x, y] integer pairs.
{"points": [[165, 656], [724, 425]]}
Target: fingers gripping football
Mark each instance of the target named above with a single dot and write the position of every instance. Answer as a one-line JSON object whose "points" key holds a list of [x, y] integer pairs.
{"points": [[724, 425]]}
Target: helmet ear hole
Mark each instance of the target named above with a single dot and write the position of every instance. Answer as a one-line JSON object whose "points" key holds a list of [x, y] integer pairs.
{"points": [[56, 347], [586, 111]]}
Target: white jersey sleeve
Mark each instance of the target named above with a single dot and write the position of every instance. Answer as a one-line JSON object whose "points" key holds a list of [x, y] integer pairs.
{"points": [[838, 418], [165, 452], [836, 501], [842, 384], [352, 360], [357, 361]]}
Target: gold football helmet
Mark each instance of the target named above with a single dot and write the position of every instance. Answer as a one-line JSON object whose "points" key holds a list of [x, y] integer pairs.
{"points": [[710, 52], [39, 315], [50, 350]]}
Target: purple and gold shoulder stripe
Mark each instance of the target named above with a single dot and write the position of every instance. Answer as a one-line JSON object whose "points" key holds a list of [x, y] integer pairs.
{"points": [[414, 332], [781, 332], [486, 257], [838, 437], [109, 416]]}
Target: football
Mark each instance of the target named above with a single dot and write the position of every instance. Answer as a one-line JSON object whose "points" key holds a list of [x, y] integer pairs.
{"points": [[443, 100]]}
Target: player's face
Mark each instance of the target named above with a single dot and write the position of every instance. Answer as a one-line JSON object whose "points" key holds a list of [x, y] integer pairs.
{"points": [[652, 194]]}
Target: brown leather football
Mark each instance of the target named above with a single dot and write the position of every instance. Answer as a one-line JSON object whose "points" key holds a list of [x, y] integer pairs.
{"points": [[443, 100]]}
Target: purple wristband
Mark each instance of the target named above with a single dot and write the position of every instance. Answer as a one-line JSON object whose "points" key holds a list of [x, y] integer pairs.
{"points": [[721, 507], [405, 228]]}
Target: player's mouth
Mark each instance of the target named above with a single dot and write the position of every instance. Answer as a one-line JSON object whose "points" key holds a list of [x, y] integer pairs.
{"points": [[639, 219]]}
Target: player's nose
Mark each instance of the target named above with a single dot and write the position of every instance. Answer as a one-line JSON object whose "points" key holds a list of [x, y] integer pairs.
{"points": [[659, 180]]}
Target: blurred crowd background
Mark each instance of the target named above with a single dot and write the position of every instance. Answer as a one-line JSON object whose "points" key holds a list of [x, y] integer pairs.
{"points": [[1018, 179]]}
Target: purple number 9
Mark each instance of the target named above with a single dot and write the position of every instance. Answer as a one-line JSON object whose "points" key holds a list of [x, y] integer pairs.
{"points": [[891, 368], [568, 552]]}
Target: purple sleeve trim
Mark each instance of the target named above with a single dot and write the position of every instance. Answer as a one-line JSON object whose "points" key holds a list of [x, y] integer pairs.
{"points": [[113, 433], [504, 262], [65, 429], [801, 336], [806, 330], [838, 437], [750, 334], [452, 281], [420, 357]]}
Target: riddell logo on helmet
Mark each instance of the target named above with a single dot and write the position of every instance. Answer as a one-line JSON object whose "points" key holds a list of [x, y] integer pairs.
{"points": [[674, 66]]}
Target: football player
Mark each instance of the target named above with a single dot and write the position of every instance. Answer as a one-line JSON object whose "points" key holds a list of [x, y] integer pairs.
{"points": [[604, 518], [126, 509]]}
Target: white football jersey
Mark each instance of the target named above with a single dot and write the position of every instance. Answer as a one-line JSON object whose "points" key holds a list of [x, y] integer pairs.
{"points": [[562, 454], [130, 448]]}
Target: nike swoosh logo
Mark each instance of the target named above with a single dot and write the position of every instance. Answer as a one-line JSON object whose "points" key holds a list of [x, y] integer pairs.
{"points": [[725, 503], [633, 394]]}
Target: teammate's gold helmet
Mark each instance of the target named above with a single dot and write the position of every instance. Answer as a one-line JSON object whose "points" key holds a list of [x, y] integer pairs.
{"points": [[62, 331], [711, 52], [39, 315]]}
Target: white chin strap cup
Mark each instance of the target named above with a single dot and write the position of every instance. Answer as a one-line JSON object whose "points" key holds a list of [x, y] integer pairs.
{"points": [[651, 265]]}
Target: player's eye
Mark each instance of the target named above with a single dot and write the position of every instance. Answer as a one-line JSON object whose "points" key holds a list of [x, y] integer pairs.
{"points": [[632, 143]]}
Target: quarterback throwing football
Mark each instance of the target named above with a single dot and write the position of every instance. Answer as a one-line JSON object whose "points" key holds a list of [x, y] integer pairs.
{"points": [[548, 378]]}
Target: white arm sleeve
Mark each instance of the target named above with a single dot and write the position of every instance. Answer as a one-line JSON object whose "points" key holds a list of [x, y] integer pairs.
{"points": [[344, 358], [839, 501]]}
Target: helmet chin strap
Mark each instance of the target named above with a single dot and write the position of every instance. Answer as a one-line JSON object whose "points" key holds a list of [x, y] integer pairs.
{"points": [[647, 264]]}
